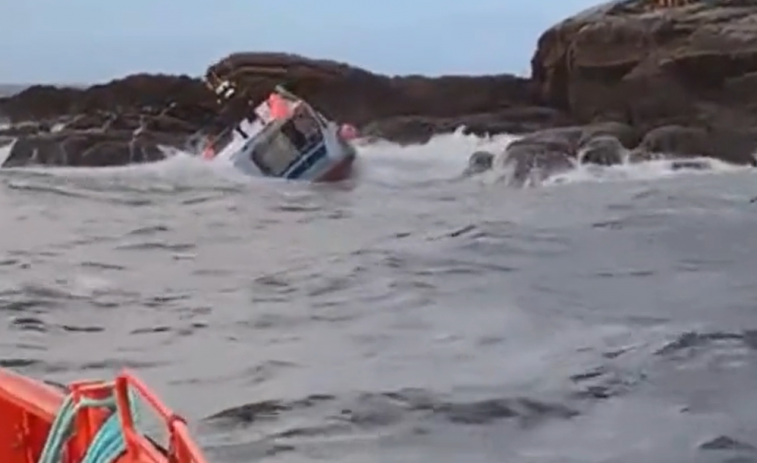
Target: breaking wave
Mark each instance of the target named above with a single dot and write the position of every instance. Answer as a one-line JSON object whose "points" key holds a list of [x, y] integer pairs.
{"points": [[443, 158]]}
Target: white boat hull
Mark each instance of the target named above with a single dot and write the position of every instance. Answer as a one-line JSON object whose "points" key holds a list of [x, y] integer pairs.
{"points": [[304, 146]]}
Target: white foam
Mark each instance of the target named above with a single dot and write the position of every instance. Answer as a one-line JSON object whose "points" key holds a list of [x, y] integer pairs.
{"points": [[642, 171], [444, 157], [5, 151]]}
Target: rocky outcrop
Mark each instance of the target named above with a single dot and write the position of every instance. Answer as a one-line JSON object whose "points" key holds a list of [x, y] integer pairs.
{"points": [[403, 109], [542, 154], [649, 66], [129, 120], [90, 148], [677, 76], [136, 94]]}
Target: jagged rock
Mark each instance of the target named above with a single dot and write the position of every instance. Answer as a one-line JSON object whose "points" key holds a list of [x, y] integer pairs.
{"points": [[25, 128], [89, 148], [727, 443], [407, 109], [604, 150], [671, 82], [692, 65], [192, 101], [675, 141], [535, 157], [539, 155], [402, 109], [479, 162], [355, 95]]}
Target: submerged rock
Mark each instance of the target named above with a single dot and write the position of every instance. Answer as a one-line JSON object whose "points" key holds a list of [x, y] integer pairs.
{"points": [[675, 141], [479, 162], [604, 150], [537, 156], [534, 158]]}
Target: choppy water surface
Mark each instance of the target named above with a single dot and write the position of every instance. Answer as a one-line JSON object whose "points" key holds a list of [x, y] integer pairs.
{"points": [[410, 317]]}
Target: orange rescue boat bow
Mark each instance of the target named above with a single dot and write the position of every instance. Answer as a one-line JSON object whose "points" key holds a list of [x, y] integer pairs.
{"points": [[93, 424]]}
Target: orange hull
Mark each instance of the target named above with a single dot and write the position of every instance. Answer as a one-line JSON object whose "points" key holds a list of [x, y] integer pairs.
{"points": [[28, 409]]}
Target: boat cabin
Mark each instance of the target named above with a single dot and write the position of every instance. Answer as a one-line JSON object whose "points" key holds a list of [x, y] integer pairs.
{"points": [[282, 143]]}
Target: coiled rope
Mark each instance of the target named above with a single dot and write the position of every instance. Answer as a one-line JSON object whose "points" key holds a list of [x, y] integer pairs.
{"points": [[108, 443]]}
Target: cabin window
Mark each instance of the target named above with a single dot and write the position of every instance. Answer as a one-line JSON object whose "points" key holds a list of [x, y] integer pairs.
{"points": [[286, 142], [303, 131], [306, 124], [276, 155]]}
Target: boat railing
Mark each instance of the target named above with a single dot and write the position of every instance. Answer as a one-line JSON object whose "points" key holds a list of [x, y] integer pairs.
{"points": [[181, 446], [290, 95]]}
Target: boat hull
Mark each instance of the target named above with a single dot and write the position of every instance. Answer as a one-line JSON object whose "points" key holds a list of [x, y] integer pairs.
{"points": [[339, 172], [330, 160], [296, 144], [29, 408]]}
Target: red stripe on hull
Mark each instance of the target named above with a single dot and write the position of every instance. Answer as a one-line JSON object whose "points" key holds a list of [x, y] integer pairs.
{"points": [[341, 171]]}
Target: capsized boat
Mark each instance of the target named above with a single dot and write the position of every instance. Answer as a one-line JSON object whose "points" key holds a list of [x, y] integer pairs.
{"points": [[287, 138], [93, 423]]}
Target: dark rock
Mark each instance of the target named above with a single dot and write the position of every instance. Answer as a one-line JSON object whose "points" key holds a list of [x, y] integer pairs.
{"points": [[357, 96], [535, 157], [95, 149], [734, 146], [403, 109], [25, 128], [479, 162], [628, 136], [416, 129], [139, 93], [726, 443], [690, 164], [604, 150], [691, 66], [683, 76], [407, 109], [131, 121]]}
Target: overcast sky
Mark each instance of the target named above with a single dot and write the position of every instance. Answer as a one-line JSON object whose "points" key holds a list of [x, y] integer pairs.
{"points": [[85, 41]]}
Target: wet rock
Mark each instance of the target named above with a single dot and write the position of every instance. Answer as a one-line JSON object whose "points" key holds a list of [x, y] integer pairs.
{"points": [[96, 149], [726, 443], [479, 162], [675, 141], [352, 94], [604, 150], [690, 66], [684, 77], [140, 93], [102, 120], [25, 128], [415, 129], [539, 155], [5, 141], [690, 164], [402, 109], [407, 109], [533, 159], [628, 136]]}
